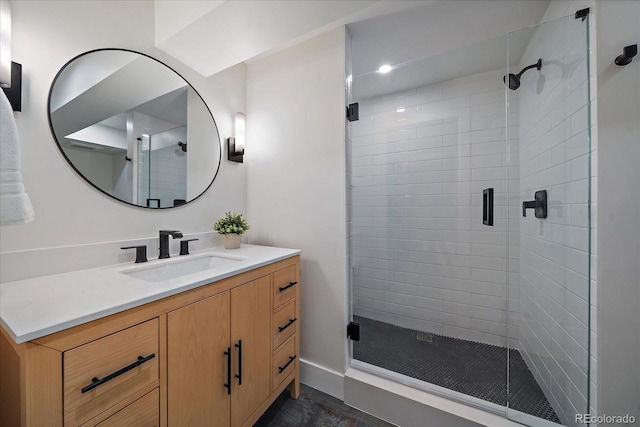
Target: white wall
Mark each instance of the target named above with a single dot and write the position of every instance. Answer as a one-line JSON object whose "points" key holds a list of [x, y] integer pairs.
{"points": [[200, 167], [96, 166], [122, 176], [618, 244], [67, 210], [422, 257], [295, 157]]}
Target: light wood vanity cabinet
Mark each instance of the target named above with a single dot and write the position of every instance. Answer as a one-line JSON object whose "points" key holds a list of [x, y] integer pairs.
{"points": [[226, 335], [217, 355]]}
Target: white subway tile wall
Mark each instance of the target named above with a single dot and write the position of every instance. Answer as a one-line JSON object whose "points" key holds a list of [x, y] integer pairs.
{"points": [[554, 252], [421, 257]]}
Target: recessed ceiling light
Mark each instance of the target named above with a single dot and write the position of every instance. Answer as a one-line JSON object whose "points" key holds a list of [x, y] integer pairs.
{"points": [[384, 69]]}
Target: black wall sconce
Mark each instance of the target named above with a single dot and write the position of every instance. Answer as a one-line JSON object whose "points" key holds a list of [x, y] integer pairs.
{"points": [[628, 52], [14, 92], [235, 145]]}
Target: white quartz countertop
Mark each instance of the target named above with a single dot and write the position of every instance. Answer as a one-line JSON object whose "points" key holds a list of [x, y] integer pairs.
{"points": [[33, 308]]}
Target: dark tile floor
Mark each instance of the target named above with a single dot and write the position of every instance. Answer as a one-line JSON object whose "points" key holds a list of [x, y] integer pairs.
{"points": [[469, 367], [315, 409]]}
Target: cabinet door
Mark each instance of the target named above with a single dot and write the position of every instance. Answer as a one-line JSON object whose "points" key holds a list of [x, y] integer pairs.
{"points": [[250, 327], [198, 336]]}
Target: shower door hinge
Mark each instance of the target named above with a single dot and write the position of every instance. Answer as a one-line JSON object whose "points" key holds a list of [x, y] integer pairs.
{"points": [[353, 112], [582, 13], [353, 331]]}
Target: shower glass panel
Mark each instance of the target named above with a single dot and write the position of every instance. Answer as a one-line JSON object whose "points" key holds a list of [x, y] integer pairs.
{"points": [[429, 223], [549, 270], [456, 292], [162, 168]]}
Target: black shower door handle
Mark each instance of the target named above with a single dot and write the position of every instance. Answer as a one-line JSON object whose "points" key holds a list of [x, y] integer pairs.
{"points": [[487, 206]]}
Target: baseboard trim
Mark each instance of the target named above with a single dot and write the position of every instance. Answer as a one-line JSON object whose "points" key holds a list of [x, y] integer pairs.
{"points": [[321, 378]]}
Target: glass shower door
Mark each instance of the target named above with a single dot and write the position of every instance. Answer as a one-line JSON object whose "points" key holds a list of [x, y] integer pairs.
{"points": [[549, 268], [429, 223]]}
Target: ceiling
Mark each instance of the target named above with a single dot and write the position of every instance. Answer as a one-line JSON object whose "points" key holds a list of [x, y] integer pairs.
{"points": [[211, 36], [436, 28], [215, 35], [93, 101], [443, 41], [477, 58]]}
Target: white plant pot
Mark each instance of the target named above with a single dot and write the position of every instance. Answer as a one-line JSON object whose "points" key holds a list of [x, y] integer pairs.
{"points": [[231, 240]]}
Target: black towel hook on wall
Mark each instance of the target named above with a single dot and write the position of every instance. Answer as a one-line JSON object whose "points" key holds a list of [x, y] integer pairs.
{"points": [[628, 52]]}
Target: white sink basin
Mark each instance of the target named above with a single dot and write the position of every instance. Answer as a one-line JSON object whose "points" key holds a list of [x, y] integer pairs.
{"points": [[171, 269]]}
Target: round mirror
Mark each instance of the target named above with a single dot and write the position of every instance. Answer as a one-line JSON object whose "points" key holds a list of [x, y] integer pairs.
{"points": [[134, 128]]}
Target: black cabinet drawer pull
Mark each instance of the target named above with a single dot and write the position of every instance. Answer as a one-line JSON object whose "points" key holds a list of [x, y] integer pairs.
{"points": [[291, 359], [228, 383], [239, 374], [291, 322], [283, 288], [96, 381]]}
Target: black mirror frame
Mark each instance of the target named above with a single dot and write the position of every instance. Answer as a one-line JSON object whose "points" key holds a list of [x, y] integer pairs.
{"points": [[70, 163]]}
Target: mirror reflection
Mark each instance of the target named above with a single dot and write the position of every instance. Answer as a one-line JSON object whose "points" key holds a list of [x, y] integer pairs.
{"points": [[134, 128]]}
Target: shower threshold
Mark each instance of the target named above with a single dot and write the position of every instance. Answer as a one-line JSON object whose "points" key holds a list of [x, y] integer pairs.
{"points": [[471, 368]]}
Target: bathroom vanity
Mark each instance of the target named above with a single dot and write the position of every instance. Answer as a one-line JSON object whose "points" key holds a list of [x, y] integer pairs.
{"points": [[119, 346]]}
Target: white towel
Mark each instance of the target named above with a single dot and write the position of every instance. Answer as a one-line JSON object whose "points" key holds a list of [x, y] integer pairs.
{"points": [[15, 205]]}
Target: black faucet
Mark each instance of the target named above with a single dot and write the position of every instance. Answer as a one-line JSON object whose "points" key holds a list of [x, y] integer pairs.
{"points": [[164, 241]]}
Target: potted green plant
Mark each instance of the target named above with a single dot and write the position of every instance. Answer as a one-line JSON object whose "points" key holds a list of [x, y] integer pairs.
{"points": [[231, 226]]}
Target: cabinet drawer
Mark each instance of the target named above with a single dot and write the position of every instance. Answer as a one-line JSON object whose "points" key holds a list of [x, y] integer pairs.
{"points": [[284, 285], [284, 323], [108, 370], [144, 412], [284, 361]]}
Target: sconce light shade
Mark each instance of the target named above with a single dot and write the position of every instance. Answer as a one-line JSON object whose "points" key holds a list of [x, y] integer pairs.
{"points": [[235, 145], [5, 43]]}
